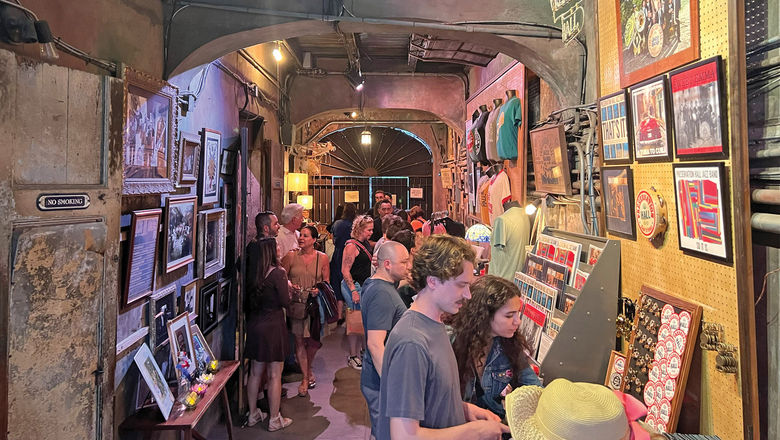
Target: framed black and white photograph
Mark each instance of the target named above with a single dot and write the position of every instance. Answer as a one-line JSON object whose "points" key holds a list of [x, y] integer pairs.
{"points": [[703, 216], [208, 307], [223, 305], [208, 187], [650, 121], [188, 300], [180, 225], [228, 161], [180, 335], [697, 105], [211, 246], [618, 197], [162, 308], [189, 159], [615, 120], [141, 255]]}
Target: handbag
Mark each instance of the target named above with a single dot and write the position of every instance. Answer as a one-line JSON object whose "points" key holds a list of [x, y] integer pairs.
{"points": [[354, 322], [328, 302], [297, 307]]}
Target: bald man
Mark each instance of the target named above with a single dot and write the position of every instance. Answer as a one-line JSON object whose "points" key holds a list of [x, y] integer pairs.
{"points": [[381, 307]]}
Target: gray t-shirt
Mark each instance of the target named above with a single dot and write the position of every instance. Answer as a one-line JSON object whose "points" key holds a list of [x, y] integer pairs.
{"points": [[381, 308], [419, 376]]}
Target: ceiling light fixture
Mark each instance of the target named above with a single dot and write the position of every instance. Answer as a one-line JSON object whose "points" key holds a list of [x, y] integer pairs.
{"points": [[277, 53], [365, 137], [353, 115], [355, 79]]}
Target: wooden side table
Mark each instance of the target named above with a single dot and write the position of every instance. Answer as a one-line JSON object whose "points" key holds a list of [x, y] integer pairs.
{"points": [[150, 419]]}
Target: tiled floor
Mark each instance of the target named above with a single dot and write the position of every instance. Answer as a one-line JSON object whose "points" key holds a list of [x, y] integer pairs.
{"points": [[334, 410]]}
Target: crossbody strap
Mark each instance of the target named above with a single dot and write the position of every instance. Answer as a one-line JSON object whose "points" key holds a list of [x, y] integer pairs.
{"points": [[360, 245]]}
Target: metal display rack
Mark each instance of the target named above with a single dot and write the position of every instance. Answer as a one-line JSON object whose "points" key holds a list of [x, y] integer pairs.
{"points": [[581, 350]]}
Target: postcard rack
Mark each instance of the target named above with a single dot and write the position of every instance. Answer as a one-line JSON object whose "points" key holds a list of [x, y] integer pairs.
{"points": [[581, 350]]}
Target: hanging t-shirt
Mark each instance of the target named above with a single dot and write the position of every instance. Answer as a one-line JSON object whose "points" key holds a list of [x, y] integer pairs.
{"points": [[498, 194], [511, 233], [479, 138], [491, 137], [508, 123], [482, 202], [469, 138]]}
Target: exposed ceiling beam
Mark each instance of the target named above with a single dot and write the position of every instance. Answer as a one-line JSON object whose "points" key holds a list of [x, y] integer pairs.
{"points": [[412, 61]]}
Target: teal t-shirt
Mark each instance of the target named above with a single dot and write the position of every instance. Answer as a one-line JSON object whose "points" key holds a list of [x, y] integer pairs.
{"points": [[509, 120]]}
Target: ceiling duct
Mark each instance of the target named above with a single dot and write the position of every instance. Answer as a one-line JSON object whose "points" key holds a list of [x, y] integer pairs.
{"points": [[432, 49]]}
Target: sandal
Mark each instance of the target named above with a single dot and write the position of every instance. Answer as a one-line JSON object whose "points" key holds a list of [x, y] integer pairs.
{"points": [[278, 422], [303, 388], [254, 418], [312, 383]]}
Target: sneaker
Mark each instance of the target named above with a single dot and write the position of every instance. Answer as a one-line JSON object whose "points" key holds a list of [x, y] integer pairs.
{"points": [[254, 418], [278, 422], [355, 363]]}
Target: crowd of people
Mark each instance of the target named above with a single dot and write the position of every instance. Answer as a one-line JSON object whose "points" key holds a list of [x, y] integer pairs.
{"points": [[439, 350]]}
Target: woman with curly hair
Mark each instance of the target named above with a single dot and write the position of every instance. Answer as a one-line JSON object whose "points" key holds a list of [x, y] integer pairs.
{"points": [[488, 346]]}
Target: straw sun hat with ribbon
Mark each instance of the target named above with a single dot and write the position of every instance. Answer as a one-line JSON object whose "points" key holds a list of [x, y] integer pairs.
{"points": [[573, 411]]}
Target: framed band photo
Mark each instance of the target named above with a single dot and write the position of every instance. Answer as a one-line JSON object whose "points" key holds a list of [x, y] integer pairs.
{"points": [[703, 216], [697, 106], [142, 255], [189, 160], [162, 308], [618, 192], [211, 246], [188, 300], [180, 335], [208, 187], [180, 224], [650, 121], [615, 116], [208, 307]]}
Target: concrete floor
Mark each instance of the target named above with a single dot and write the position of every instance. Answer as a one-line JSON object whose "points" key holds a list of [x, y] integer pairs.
{"points": [[334, 410]]}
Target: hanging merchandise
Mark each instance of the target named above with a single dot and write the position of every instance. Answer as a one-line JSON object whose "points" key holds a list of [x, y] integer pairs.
{"points": [[484, 197], [469, 138], [491, 132], [498, 194], [511, 234], [508, 123], [650, 214], [478, 128]]}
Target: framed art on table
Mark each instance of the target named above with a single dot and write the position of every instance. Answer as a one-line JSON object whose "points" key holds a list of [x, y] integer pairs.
{"points": [[211, 246], [180, 224], [618, 197], [615, 119], [551, 160], [180, 336], [697, 105], [203, 352], [703, 216], [650, 121], [208, 187], [189, 160], [162, 308], [654, 36], [149, 156], [188, 301], [142, 255], [154, 379]]}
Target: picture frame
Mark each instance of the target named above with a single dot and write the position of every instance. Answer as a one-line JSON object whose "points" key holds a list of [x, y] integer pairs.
{"points": [[228, 204], [211, 243], [149, 133], [223, 303], [650, 122], [203, 352], [162, 308], [208, 185], [188, 300], [652, 40], [189, 160], [618, 199], [180, 338], [703, 211], [208, 307], [142, 255], [551, 160], [615, 138], [228, 162], [698, 107], [154, 379], [616, 370], [180, 227]]}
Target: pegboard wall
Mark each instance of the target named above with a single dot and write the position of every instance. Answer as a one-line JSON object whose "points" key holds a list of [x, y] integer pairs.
{"points": [[711, 285]]}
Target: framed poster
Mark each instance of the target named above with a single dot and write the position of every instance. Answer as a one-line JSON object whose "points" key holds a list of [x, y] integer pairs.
{"points": [[703, 216], [223, 305], [188, 300], [154, 380], [614, 122], [697, 106], [551, 160], [180, 218], [208, 307], [142, 255], [189, 160], [149, 156], [208, 187], [211, 245], [654, 36], [650, 121], [162, 308], [180, 335], [618, 197]]}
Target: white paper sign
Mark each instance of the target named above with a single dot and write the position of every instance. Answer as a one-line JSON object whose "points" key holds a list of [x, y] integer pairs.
{"points": [[351, 196], [416, 193]]}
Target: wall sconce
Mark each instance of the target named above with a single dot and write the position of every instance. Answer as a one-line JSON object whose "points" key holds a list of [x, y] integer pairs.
{"points": [[306, 201], [19, 25], [277, 53], [365, 137], [297, 182]]}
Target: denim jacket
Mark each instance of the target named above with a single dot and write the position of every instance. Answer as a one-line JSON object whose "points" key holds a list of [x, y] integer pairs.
{"points": [[496, 376]]}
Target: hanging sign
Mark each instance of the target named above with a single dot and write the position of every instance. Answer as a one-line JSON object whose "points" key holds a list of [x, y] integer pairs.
{"points": [[54, 202], [351, 196], [650, 213], [570, 16], [416, 193]]}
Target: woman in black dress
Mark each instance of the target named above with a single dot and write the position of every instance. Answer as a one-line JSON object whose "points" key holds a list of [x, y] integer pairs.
{"points": [[266, 340]]}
